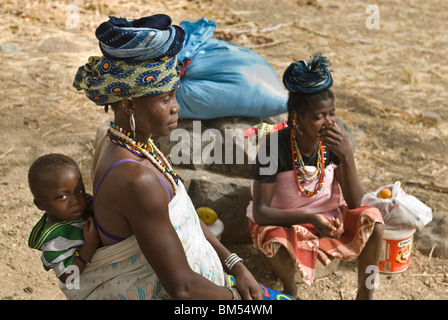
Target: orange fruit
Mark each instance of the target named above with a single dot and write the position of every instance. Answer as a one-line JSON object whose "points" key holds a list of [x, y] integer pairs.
{"points": [[384, 193], [207, 215]]}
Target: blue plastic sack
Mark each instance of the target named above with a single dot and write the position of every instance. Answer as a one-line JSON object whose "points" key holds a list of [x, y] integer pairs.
{"points": [[224, 79]]}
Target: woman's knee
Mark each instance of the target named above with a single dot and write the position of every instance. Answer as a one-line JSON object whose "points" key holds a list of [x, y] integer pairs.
{"points": [[377, 233], [378, 230]]}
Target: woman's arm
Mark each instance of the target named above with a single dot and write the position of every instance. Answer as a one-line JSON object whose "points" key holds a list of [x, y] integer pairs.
{"points": [[351, 186], [144, 203], [264, 214], [247, 286], [346, 173]]}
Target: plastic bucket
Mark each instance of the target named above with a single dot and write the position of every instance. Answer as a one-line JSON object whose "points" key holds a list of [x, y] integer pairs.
{"points": [[217, 228], [396, 250]]}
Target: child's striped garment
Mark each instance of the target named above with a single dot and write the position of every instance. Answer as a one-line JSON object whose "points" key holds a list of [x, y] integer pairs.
{"points": [[58, 243]]}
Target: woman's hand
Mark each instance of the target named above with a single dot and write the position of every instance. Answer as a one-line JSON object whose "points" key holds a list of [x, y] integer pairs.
{"points": [[327, 228], [333, 138], [339, 228], [248, 288]]}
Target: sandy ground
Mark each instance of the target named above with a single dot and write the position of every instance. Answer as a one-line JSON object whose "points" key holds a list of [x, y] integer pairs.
{"points": [[390, 86]]}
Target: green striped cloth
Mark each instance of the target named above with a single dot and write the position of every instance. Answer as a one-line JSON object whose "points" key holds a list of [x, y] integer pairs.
{"points": [[58, 243]]}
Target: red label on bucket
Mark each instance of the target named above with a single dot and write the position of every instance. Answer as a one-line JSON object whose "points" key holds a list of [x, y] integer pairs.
{"points": [[395, 255]]}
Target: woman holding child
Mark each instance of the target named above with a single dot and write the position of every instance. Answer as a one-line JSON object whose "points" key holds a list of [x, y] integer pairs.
{"points": [[154, 245]]}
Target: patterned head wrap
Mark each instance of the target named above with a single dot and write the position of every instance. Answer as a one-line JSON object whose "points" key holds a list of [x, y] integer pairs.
{"points": [[106, 81], [147, 38], [138, 61], [307, 77]]}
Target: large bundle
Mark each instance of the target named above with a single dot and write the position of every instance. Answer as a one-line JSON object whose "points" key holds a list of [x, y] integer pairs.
{"points": [[222, 79]]}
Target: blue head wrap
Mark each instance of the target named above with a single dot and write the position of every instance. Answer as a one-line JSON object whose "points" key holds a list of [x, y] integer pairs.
{"points": [[148, 38], [308, 77]]}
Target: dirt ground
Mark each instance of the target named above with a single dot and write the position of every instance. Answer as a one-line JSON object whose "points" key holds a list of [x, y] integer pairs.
{"points": [[390, 87]]}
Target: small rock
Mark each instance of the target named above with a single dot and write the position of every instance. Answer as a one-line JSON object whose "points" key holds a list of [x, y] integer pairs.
{"points": [[28, 290], [57, 45], [10, 48], [432, 116], [10, 296], [338, 273]]}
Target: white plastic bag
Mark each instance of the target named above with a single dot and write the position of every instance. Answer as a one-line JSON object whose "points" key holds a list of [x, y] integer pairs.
{"points": [[401, 211]]}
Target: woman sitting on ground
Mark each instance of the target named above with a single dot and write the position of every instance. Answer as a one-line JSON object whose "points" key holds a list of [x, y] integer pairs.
{"points": [[296, 215], [155, 246]]}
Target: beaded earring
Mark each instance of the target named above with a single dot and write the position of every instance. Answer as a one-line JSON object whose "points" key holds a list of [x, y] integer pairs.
{"points": [[132, 124], [295, 123]]}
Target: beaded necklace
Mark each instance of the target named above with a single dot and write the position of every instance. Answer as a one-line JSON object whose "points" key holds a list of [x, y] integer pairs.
{"points": [[300, 172], [123, 138]]}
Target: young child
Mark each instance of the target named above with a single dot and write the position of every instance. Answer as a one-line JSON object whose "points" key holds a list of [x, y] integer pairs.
{"points": [[297, 214], [65, 234]]}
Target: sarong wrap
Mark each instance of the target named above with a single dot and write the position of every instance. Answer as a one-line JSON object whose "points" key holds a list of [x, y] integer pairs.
{"points": [[302, 241], [121, 271]]}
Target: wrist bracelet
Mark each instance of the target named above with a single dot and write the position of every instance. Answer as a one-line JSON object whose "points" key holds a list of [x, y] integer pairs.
{"points": [[232, 260], [233, 292], [82, 260]]}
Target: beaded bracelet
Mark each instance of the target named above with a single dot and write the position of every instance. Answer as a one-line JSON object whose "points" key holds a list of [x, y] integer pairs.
{"points": [[234, 295], [82, 260], [231, 260]]}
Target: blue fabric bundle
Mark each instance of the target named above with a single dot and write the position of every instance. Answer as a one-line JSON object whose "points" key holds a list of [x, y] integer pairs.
{"points": [[307, 77], [148, 38], [268, 294], [223, 79]]}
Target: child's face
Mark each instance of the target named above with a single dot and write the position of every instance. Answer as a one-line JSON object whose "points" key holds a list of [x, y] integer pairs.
{"points": [[62, 195]]}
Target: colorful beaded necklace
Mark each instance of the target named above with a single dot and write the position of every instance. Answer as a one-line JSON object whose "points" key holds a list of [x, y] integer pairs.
{"points": [[123, 138], [300, 172]]}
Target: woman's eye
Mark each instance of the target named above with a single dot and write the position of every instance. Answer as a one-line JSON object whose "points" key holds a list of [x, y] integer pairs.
{"points": [[62, 196]]}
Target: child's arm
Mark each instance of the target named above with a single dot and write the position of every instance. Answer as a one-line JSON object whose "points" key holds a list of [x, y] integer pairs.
{"points": [[85, 254]]}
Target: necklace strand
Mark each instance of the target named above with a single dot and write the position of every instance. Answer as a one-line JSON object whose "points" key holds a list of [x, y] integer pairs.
{"points": [[150, 151], [300, 172]]}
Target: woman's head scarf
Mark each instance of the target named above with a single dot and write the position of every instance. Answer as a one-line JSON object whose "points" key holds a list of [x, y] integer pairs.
{"points": [[308, 77], [139, 59], [148, 38]]}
